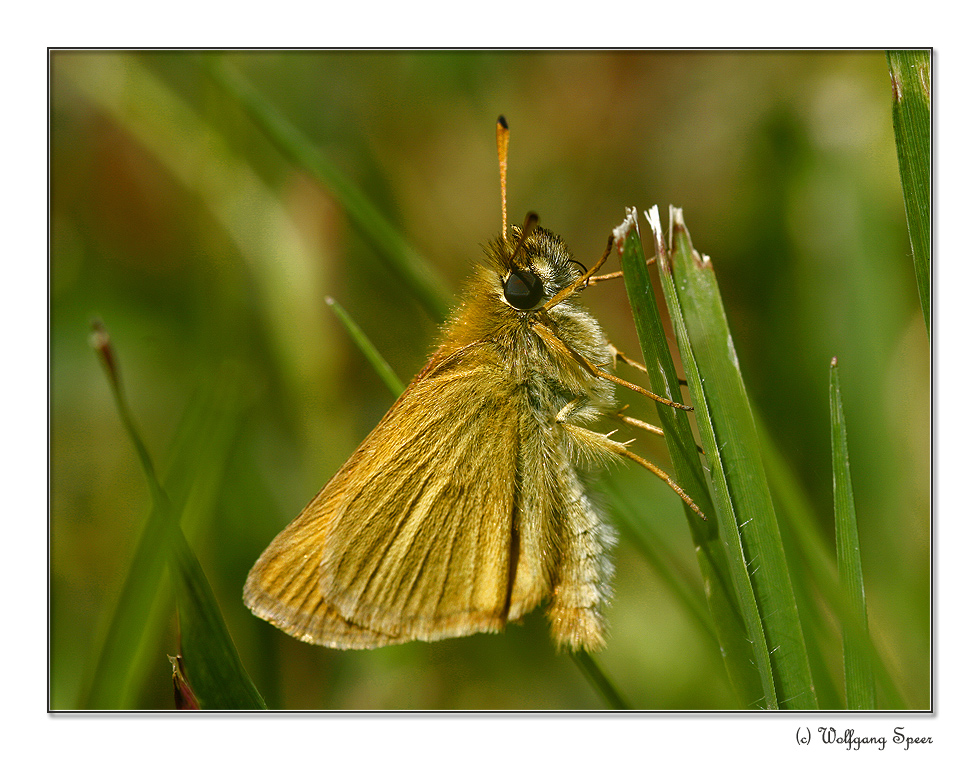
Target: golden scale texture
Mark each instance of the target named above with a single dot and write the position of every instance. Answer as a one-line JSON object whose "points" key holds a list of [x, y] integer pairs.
{"points": [[464, 509]]}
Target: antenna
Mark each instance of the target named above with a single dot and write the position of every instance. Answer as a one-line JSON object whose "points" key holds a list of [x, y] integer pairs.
{"points": [[503, 137]]}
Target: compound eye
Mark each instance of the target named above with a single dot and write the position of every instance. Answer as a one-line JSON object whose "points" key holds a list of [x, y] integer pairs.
{"points": [[523, 290]]}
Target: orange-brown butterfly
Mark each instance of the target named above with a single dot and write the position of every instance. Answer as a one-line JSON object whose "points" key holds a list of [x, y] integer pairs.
{"points": [[464, 508]]}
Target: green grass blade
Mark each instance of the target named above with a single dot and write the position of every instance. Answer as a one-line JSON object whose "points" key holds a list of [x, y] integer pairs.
{"points": [[911, 75], [810, 544], [663, 377], [859, 682], [213, 667], [215, 670], [755, 549], [810, 558], [404, 261], [374, 357], [720, 592], [122, 663]]}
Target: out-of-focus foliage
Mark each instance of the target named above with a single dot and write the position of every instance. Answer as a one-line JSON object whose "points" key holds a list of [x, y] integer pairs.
{"points": [[207, 253]]}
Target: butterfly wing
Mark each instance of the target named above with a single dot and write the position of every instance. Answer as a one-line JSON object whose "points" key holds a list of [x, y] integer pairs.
{"points": [[414, 537]]}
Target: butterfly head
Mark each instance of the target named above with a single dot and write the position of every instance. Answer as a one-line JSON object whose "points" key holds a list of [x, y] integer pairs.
{"points": [[531, 266]]}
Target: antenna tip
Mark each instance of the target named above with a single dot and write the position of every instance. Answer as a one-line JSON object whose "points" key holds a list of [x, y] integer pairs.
{"points": [[502, 122]]}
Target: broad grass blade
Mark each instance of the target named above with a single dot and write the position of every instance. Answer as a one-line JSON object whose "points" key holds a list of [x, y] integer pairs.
{"points": [[756, 556]]}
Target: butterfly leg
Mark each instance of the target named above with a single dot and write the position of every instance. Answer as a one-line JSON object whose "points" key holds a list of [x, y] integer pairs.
{"points": [[596, 445], [619, 356], [552, 340], [638, 423], [643, 425], [614, 275]]}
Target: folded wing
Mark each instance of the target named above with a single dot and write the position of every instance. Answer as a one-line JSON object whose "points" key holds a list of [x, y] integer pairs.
{"points": [[414, 538]]}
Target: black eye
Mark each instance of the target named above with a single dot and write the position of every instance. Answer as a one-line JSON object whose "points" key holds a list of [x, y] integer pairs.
{"points": [[523, 290]]}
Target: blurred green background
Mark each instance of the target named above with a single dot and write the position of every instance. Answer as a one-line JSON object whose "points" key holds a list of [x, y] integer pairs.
{"points": [[208, 254]]}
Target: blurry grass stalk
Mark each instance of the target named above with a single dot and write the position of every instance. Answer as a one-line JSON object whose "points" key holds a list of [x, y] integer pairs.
{"points": [[751, 559], [368, 349], [413, 271], [911, 75], [585, 661], [859, 682], [598, 680], [213, 668]]}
